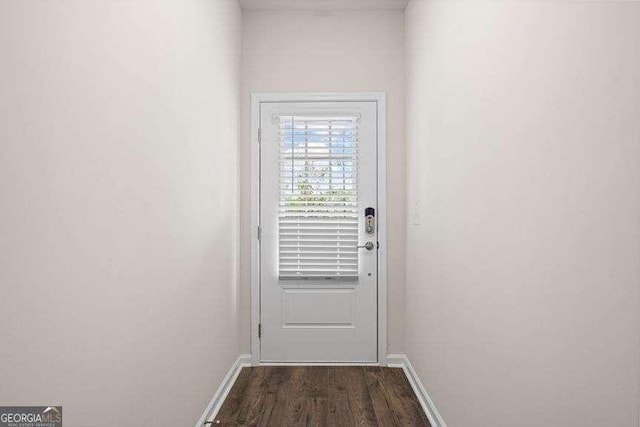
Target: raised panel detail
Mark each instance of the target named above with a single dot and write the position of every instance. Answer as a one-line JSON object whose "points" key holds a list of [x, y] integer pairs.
{"points": [[318, 308]]}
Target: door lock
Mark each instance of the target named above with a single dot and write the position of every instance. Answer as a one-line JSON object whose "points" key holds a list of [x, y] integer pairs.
{"points": [[368, 246], [369, 220]]}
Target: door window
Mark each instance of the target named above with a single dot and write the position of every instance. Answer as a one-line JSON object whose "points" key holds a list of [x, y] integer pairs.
{"points": [[318, 209]]}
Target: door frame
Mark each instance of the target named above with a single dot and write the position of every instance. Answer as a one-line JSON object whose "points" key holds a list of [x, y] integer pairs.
{"points": [[380, 98]]}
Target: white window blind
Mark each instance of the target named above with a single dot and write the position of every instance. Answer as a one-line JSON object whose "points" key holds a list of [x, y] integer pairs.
{"points": [[318, 218]]}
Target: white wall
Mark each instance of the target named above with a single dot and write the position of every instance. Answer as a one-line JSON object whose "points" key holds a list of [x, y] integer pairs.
{"points": [[523, 148], [308, 51], [118, 136]]}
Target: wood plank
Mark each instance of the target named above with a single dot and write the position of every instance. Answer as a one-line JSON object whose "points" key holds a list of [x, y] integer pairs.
{"points": [[360, 404], [338, 412], [382, 406], [231, 406], [317, 381], [277, 391], [316, 412], [294, 412], [247, 397], [405, 402]]}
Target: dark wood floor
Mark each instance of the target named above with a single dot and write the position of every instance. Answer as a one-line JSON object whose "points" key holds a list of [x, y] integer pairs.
{"points": [[321, 396]]}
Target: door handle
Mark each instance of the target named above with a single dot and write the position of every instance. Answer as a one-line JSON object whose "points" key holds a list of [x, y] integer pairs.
{"points": [[368, 246]]}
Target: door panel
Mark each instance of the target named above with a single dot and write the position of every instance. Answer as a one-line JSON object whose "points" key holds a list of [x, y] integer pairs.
{"points": [[305, 308], [318, 289]]}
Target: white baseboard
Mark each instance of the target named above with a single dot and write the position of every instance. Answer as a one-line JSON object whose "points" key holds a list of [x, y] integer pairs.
{"points": [[221, 393], [402, 361]]}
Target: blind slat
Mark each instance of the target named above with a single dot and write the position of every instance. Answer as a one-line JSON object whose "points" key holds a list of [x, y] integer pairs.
{"points": [[318, 206]]}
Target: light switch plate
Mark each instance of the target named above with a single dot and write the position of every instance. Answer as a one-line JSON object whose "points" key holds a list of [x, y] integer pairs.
{"points": [[414, 214]]}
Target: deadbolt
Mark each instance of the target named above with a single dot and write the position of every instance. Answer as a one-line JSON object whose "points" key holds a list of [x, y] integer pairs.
{"points": [[369, 216]]}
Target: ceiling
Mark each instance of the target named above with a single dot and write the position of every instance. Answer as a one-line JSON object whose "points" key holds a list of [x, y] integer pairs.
{"points": [[323, 4]]}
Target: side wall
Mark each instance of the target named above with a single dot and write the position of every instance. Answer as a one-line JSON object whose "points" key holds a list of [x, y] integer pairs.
{"points": [[523, 272], [118, 186], [306, 51]]}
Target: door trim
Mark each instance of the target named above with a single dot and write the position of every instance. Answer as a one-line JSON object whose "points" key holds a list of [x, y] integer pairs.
{"points": [[380, 98]]}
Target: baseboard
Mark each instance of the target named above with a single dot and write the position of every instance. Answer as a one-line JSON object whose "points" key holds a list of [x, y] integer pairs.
{"points": [[222, 391], [402, 361]]}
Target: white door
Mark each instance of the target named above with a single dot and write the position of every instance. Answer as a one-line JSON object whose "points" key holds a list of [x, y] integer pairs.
{"points": [[318, 284]]}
